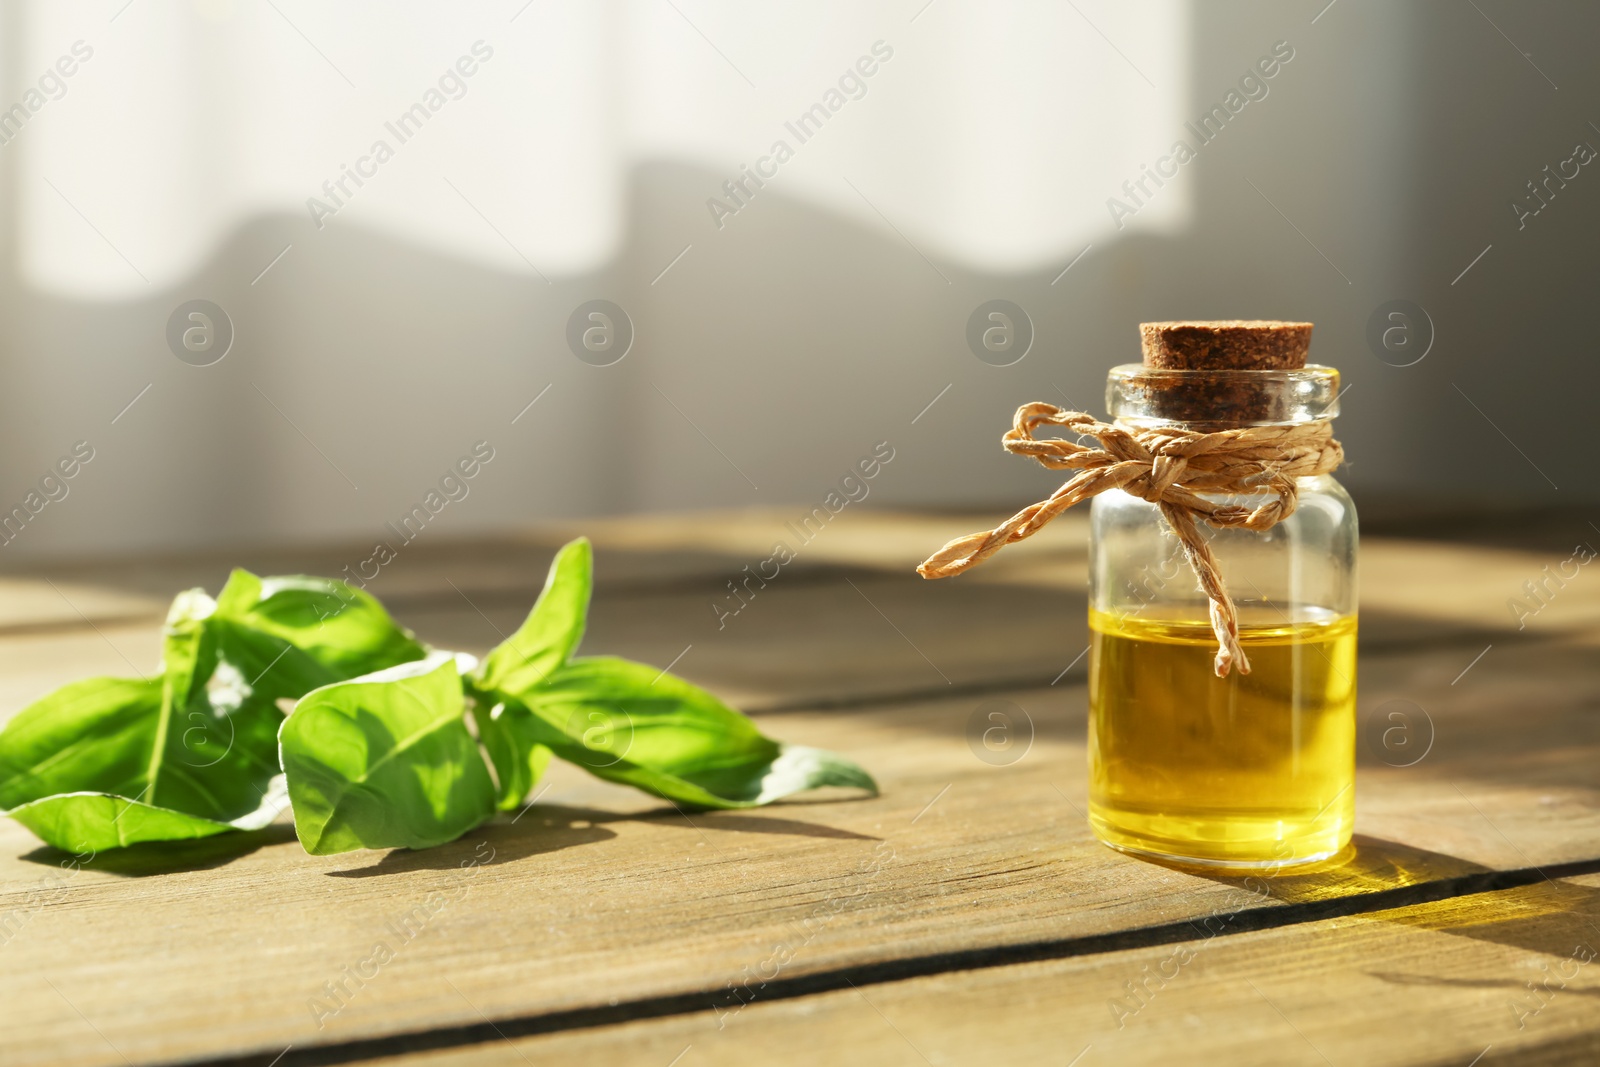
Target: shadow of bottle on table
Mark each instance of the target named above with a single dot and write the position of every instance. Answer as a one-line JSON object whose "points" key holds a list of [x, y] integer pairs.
{"points": [[1537, 910], [1546, 917]]}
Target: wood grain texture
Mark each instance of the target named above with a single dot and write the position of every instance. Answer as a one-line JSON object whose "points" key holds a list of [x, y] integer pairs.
{"points": [[596, 894], [598, 901], [1441, 983], [847, 620]]}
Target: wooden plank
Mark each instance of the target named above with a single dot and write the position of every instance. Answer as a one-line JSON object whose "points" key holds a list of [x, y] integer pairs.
{"points": [[52, 604], [818, 638], [816, 633], [1411, 589], [596, 895], [811, 642], [1437, 983], [609, 900], [33, 664]]}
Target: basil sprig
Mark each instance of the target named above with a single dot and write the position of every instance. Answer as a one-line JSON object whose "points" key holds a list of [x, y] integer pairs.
{"points": [[377, 751], [108, 762]]}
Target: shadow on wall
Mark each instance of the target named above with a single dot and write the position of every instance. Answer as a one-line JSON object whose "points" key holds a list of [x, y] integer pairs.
{"points": [[778, 349]]}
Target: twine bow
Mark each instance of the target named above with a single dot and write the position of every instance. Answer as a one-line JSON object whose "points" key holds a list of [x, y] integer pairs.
{"points": [[1171, 468]]}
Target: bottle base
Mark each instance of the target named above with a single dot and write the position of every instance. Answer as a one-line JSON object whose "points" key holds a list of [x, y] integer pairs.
{"points": [[1228, 846], [1178, 860]]}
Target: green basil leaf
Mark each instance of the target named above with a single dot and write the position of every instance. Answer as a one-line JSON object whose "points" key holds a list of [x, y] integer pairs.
{"points": [[518, 761], [228, 662], [552, 630], [102, 731], [95, 822], [74, 763], [545, 641], [630, 723], [193, 752], [96, 732], [385, 761], [339, 631], [211, 752]]}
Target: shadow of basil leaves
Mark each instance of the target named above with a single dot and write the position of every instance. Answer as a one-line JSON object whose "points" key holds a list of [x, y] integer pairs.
{"points": [[170, 857], [745, 822], [492, 843], [542, 828]]}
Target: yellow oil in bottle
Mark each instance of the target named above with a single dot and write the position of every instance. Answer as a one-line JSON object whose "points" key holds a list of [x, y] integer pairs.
{"points": [[1253, 770]]}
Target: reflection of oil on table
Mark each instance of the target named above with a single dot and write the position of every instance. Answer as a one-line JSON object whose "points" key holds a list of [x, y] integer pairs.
{"points": [[965, 911]]}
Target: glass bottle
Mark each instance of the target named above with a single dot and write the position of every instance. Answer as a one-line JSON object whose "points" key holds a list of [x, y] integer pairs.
{"points": [[1252, 770]]}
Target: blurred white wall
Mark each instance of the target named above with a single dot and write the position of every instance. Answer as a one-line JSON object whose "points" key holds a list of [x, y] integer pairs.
{"points": [[773, 346]]}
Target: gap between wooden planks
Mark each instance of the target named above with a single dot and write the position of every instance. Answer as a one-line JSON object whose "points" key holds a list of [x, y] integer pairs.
{"points": [[596, 895], [1004, 865], [1440, 983]]}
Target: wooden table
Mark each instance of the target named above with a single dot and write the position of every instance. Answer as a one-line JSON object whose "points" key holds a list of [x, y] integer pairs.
{"points": [[965, 916]]}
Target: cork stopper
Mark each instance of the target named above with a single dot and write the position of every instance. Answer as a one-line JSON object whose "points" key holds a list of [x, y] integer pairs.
{"points": [[1217, 374], [1231, 345]]}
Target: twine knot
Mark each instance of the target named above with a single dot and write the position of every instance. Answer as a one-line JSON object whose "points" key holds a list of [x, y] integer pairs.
{"points": [[1171, 468]]}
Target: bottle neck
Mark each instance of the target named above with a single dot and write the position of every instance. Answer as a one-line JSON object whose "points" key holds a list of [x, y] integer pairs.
{"points": [[1208, 400]]}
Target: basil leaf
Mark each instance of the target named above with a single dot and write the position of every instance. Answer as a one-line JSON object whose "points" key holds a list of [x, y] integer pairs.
{"points": [[228, 662], [109, 762], [552, 630], [102, 731], [385, 761], [630, 723], [337, 630], [211, 751], [506, 737], [546, 639], [95, 822], [95, 732], [624, 721]]}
